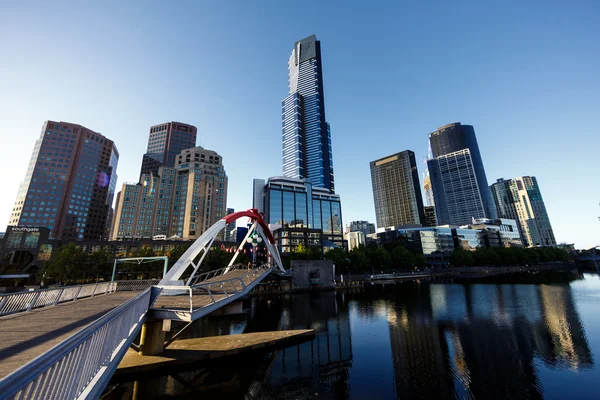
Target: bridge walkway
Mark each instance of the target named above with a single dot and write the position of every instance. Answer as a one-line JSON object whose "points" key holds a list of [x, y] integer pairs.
{"points": [[26, 335]]}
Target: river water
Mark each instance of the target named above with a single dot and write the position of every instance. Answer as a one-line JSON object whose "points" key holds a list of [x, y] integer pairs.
{"points": [[534, 336]]}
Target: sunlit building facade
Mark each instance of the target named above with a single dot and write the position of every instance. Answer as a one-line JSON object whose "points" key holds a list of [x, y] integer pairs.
{"points": [[70, 183], [396, 190], [296, 203], [183, 201], [165, 142], [306, 137]]}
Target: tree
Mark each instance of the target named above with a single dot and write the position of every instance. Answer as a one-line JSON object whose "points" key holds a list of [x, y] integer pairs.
{"points": [[101, 263], [402, 258], [68, 265], [420, 260], [359, 261], [302, 252], [176, 253], [461, 258], [339, 258], [380, 258]]}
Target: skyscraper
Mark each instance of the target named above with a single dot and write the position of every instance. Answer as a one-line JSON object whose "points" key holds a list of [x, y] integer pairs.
{"points": [[165, 142], [396, 190], [455, 190], [455, 137], [184, 200], [520, 199], [70, 183], [305, 131], [429, 201]]}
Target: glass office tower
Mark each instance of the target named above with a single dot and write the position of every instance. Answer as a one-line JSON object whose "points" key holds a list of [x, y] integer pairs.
{"points": [[455, 137], [165, 142], [396, 190], [70, 183], [520, 199], [455, 190], [306, 135]]}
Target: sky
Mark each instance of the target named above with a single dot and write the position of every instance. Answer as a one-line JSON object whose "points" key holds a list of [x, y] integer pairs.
{"points": [[524, 74]]}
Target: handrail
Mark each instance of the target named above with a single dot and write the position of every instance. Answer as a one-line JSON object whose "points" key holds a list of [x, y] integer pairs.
{"points": [[80, 366], [188, 290], [11, 303], [216, 272]]}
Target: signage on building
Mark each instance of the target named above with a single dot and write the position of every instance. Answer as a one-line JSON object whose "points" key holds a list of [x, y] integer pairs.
{"points": [[24, 229]]}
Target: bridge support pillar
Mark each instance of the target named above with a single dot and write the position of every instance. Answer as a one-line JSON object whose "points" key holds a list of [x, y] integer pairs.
{"points": [[152, 341]]}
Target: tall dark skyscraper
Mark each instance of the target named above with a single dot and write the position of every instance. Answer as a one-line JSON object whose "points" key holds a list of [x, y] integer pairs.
{"points": [[305, 131], [70, 183], [455, 137], [396, 190], [165, 143]]}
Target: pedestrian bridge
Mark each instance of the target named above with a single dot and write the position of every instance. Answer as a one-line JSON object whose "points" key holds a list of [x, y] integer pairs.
{"points": [[67, 342]]}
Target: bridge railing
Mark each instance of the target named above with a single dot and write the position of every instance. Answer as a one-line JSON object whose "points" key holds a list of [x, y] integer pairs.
{"points": [[81, 366], [26, 301], [215, 290], [205, 276]]}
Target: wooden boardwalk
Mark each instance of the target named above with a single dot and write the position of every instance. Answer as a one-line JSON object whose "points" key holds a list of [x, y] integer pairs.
{"points": [[26, 335]]}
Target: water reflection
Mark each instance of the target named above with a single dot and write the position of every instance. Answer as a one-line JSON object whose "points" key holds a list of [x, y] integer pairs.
{"points": [[469, 340]]}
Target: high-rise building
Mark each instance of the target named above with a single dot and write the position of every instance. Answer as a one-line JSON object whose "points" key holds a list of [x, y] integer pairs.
{"points": [[70, 183], [295, 203], [396, 190], [455, 137], [230, 229], [429, 201], [455, 189], [365, 227], [165, 142], [520, 199], [181, 201], [305, 130], [430, 219]]}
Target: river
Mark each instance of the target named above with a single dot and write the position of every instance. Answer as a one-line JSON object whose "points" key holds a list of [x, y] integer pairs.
{"points": [[534, 336]]}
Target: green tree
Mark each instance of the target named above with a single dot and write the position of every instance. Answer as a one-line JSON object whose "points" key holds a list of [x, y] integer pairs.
{"points": [[302, 252], [461, 258], [380, 259], [359, 261], [101, 263], [402, 258], [68, 265], [420, 260], [339, 257], [176, 253]]}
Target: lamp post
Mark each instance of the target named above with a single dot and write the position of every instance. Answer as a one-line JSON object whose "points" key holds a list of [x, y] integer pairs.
{"points": [[254, 240]]}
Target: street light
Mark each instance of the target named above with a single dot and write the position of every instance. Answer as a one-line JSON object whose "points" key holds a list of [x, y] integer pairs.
{"points": [[254, 240]]}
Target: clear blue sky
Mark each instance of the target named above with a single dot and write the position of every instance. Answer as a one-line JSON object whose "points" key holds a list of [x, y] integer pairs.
{"points": [[525, 74]]}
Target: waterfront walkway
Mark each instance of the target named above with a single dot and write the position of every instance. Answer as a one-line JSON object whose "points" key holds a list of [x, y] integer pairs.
{"points": [[28, 335]]}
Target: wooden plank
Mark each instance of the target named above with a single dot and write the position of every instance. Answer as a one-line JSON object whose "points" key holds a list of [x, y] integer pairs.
{"points": [[27, 335], [197, 350]]}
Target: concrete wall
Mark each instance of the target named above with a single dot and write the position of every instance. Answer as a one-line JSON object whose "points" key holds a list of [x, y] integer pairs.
{"points": [[312, 274]]}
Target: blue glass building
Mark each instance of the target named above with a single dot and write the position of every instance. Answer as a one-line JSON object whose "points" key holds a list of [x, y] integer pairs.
{"points": [[306, 136], [453, 138]]}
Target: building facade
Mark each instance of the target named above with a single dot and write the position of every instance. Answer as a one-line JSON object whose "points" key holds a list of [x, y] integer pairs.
{"points": [[396, 190], [520, 199], [295, 203], [305, 130], [70, 183], [430, 219], [499, 232], [365, 227], [355, 239], [429, 201], [182, 201], [455, 137], [230, 229], [165, 142], [455, 188]]}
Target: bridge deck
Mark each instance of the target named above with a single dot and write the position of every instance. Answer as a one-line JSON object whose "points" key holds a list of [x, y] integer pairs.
{"points": [[26, 335], [178, 307]]}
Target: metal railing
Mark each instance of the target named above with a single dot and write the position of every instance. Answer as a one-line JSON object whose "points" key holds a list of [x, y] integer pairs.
{"points": [[26, 301], [205, 276], [81, 366], [215, 290], [134, 285]]}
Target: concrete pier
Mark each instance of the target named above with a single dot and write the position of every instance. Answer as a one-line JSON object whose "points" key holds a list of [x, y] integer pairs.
{"points": [[192, 351]]}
